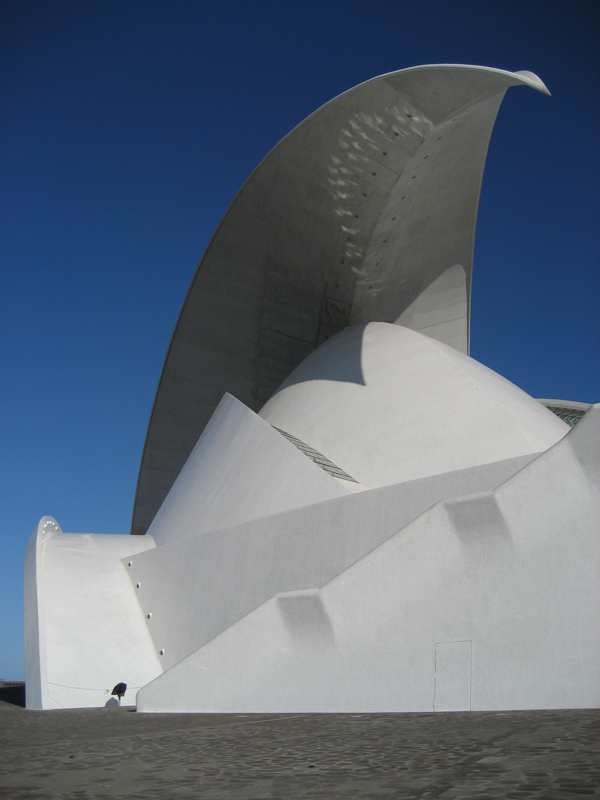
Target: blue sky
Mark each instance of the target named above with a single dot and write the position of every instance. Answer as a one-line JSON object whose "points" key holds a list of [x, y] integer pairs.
{"points": [[128, 127]]}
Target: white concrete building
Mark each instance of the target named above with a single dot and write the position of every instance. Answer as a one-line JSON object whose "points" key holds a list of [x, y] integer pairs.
{"points": [[340, 509]]}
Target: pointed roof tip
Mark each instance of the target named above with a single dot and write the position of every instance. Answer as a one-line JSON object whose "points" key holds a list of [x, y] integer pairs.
{"points": [[532, 79], [524, 75]]}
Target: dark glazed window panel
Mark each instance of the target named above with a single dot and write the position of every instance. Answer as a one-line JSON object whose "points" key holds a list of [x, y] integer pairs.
{"points": [[570, 415]]}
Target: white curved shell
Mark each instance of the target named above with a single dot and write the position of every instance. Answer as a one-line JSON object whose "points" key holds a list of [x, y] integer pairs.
{"points": [[366, 211], [388, 405]]}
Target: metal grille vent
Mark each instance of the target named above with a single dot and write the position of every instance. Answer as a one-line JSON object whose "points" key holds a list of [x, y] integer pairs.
{"points": [[569, 415], [317, 457]]}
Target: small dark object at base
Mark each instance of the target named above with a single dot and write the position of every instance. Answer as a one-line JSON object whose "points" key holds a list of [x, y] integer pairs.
{"points": [[119, 690]]}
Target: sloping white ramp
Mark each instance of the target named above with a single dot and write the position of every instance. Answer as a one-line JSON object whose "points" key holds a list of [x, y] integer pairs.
{"points": [[227, 573]]}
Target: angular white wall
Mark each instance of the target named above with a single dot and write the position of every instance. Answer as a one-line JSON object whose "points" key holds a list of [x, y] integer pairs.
{"points": [[209, 581], [501, 588]]}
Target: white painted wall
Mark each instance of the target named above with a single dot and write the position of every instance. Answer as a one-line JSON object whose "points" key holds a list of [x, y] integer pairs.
{"points": [[514, 572], [84, 627], [209, 581], [36, 661]]}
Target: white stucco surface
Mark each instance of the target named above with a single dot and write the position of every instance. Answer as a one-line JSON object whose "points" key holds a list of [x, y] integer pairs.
{"points": [[388, 405], [83, 619], [514, 572]]}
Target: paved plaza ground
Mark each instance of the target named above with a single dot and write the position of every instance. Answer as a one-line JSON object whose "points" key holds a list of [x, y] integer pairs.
{"points": [[108, 753]]}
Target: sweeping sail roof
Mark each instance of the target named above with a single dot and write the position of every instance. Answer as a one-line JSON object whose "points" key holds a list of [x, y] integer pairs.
{"points": [[364, 212]]}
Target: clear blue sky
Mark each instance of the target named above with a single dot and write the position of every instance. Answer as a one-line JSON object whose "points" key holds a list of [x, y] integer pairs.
{"points": [[126, 130]]}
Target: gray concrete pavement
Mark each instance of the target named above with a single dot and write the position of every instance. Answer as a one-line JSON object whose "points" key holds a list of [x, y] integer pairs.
{"points": [[107, 753]]}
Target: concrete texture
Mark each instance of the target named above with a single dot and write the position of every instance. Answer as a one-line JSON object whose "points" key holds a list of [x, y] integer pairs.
{"points": [[366, 211], [107, 753]]}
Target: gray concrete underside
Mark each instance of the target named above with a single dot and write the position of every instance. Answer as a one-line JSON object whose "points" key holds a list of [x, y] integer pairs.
{"points": [[364, 212]]}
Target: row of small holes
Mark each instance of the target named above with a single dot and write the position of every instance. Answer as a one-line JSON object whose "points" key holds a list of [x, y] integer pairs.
{"points": [[149, 615], [364, 194]]}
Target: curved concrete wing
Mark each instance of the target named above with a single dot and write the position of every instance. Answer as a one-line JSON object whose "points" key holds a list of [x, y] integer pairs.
{"points": [[364, 212]]}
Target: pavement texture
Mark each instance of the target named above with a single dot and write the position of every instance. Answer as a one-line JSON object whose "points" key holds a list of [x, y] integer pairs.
{"points": [[118, 753]]}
